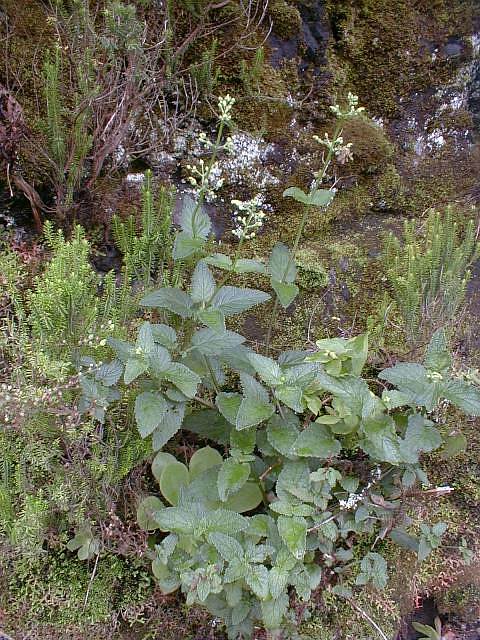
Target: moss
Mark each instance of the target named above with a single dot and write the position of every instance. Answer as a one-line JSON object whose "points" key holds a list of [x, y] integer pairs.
{"points": [[390, 190], [370, 146], [312, 274], [286, 19]]}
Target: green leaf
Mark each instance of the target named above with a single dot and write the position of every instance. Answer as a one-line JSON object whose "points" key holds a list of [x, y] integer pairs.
{"points": [[211, 424], [274, 610], [294, 480], [109, 373], [233, 300], [227, 547], [297, 194], [171, 298], [281, 265], [144, 339], [277, 581], [246, 499], [420, 436], [437, 357], [256, 577], [316, 441], [212, 343], [231, 477], [134, 368], [175, 476], [164, 335], [463, 395], [403, 539], [159, 361], [222, 521], [228, 404], [252, 412], [160, 462], [146, 512], [293, 531], [412, 380], [194, 220], [321, 197], [381, 441], [268, 370], [213, 318], [283, 433], [245, 265], [219, 260], [124, 350], [168, 426], [374, 569], [150, 407], [243, 441], [177, 519], [204, 459], [286, 292], [167, 581], [185, 246], [183, 378], [203, 284]]}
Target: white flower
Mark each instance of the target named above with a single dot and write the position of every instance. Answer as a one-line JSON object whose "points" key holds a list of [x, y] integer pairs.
{"points": [[225, 105], [248, 224]]}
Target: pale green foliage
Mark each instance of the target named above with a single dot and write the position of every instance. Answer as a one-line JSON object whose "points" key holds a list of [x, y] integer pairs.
{"points": [[284, 426], [429, 272]]}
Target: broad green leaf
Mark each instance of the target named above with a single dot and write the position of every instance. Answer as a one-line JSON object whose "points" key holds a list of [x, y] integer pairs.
{"points": [[185, 246], [235, 570], [243, 441], [413, 381], [286, 292], [463, 395], [373, 569], [211, 424], [212, 343], [246, 499], [183, 378], [233, 300], [420, 437], [281, 265], [171, 298], [316, 441], [160, 462], [283, 433], [134, 368], [231, 477], [293, 531], [219, 260], [437, 357], [222, 521], [227, 547], [381, 441], [175, 476], [124, 350], [277, 581], [168, 426], [252, 412], [297, 194], [203, 459], [268, 370], [403, 539], [150, 407], [159, 361], [294, 480], [167, 581], [109, 373], [146, 511], [228, 404], [203, 284], [256, 576], [144, 339], [291, 396], [212, 318], [194, 220], [164, 335], [240, 611], [246, 265], [177, 519], [321, 197], [274, 610]]}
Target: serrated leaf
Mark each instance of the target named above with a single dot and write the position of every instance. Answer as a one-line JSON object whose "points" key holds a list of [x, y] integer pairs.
{"points": [[183, 378], [233, 300], [274, 610], [167, 581], [211, 424], [164, 335], [453, 445], [222, 521], [277, 581], [212, 343], [193, 219], [146, 511], [268, 370], [437, 357], [134, 368], [293, 531], [170, 298], [227, 547], [150, 407], [159, 361], [281, 265], [463, 395], [231, 477], [381, 441], [185, 246], [177, 519], [283, 433], [420, 436], [252, 412], [175, 476], [228, 404], [109, 373], [316, 441], [204, 459], [246, 265], [124, 350], [168, 426], [212, 318], [219, 260], [294, 480], [203, 284], [403, 539], [286, 292], [256, 576]]}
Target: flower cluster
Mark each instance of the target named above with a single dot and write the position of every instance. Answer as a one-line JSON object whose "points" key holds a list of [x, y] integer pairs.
{"points": [[249, 217], [354, 498], [205, 178], [225, 105], [341, 150], [227, 146], [352, 110]]}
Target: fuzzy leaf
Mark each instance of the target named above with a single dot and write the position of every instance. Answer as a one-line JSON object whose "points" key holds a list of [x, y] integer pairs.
{"points": [[168, 426], [231, 477], [203, 284], [245, 265], [233, 300], [463, 395], [268, 370], [219, 260], [171, 298], [194, 220], [146, 512], [437, 357], [316, 441], [274, 610], [283, 433], [209, 423], [212, 318], [164, 335], [246, 499], [227, 547], [293, 531], [150, 407], [183, 378], [134, 368], [281, 265], [175, 476], [256, 577], [286, 292], [160, 462], [252, 412], [228, 404], [212, 343], [204, 459]]}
